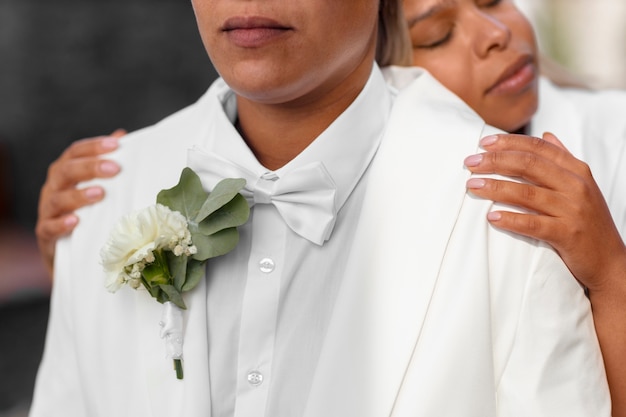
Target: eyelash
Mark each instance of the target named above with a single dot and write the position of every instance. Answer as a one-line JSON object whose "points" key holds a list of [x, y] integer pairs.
{"points": [[492, 3], [438, 43]]}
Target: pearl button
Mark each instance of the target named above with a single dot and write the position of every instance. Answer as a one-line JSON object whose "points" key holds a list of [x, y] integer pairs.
{"points": [[255, 378], [266, 265]]}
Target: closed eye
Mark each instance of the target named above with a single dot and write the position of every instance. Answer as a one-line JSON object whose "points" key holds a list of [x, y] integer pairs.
{"points": [[436, 43]]}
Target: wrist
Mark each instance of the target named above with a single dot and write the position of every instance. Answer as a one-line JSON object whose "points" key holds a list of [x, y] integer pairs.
{"points": [[609, 292]]}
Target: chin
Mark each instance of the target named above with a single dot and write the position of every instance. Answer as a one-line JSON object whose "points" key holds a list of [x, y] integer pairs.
{"points": [[518, 115]]}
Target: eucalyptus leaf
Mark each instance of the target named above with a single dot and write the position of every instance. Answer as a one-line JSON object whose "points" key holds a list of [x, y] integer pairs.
{"points": [[160, 296], [233, 214], [224, 191], [186, 197], [195, 273], [174, 295], [216, 244], [178, 269]]}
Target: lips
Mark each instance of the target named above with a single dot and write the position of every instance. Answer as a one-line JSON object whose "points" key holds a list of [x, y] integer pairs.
{"points": [[516, 77], [253, 31]]}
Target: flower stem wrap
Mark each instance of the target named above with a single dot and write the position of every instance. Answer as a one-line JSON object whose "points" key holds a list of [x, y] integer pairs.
{"points": [[172, 331]]}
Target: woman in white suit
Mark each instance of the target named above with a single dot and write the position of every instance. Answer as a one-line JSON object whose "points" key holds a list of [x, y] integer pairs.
{"points": [[484, 51], [585, 120], [434, 316]]}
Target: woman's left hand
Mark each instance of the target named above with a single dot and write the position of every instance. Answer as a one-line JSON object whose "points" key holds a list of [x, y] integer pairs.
{"points": [[568, 210]]}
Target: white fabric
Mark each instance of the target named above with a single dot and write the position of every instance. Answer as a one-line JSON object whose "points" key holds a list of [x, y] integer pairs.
{"points": [[276, 320], [592, 124], [414, 307], [480, 323], [269, 322], [305, 197]]}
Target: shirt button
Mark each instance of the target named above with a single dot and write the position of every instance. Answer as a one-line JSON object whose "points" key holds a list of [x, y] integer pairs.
{"points": [[255, 378], [266, 265]]}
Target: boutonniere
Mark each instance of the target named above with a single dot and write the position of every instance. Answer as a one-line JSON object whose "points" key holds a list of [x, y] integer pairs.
{"points": [[163, 248]]}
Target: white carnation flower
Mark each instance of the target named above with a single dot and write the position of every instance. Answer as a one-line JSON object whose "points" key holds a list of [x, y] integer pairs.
{"points": [[134, 238]]}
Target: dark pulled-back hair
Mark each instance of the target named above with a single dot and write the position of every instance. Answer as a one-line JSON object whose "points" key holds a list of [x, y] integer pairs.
{"points": [[393, 46]]}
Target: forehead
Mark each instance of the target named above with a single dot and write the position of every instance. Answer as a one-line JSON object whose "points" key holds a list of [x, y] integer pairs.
{"points": [[417, 10]]}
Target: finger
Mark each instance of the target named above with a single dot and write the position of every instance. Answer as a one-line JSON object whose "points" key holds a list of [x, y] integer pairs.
{"points": [[551, 138], [49, 230], [552, 150], [526, 165], [118, 133], [60, 203], [531, 225], [67, 173], [527, 196], [93, 146]]}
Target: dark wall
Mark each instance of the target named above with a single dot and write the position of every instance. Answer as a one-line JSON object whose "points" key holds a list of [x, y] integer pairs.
{"points": [[79, 68]]}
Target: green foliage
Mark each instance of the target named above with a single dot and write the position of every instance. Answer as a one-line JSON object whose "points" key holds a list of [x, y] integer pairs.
{"points": [[212, 219]]}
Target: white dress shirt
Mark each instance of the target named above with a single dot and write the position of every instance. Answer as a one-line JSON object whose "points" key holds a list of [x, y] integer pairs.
{"points": [[270, 300]]}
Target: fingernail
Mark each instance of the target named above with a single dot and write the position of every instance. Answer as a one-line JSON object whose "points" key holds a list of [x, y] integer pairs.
{"points": [[109, 167], [474, 160], [488, 140], [109, 143], [70, 221], [94, 193], [494, 216], [475, 183]]}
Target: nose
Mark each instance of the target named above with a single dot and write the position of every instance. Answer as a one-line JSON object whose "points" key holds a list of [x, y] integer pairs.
{"points": [[492, 34]]}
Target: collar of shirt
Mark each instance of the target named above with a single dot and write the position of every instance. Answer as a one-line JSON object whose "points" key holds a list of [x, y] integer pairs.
{"points": [[345, 148]]}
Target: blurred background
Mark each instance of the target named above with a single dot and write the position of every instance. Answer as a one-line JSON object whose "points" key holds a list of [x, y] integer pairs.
{"points": [[586, 37], [71, 69]]}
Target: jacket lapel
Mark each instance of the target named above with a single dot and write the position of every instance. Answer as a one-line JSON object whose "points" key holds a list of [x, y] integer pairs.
{"points": [[415, 192], [191, 395]]}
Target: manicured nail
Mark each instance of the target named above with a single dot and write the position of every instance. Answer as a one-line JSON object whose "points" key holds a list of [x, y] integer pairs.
{"points": [[475, 183], [94, 193], [488, 140], [109, 167], [494, 216], [70, 221], [109, 143], [474, 160]]}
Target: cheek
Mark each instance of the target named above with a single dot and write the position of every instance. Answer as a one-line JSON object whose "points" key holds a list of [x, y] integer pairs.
{"points": [[459, 78], [522, 31], [206, 26], [357, 23]]}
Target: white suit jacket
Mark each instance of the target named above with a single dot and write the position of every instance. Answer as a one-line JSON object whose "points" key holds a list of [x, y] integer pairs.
{"points": [[438, 315]]}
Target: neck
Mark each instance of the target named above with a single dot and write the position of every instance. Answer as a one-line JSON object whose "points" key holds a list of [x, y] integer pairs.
{"points": [[277, 133]]}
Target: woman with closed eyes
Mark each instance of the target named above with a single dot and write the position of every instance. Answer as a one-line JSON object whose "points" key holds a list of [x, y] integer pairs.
{"points": [[485, 52]]}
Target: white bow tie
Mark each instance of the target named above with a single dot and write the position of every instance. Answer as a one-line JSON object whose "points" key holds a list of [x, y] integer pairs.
{"points": [[304, 197]]}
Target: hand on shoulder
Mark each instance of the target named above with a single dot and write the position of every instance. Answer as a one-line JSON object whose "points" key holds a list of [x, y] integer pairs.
{"points": [[60, 196]]}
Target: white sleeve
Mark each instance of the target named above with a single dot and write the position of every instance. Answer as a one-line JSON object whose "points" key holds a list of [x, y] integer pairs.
{"points": [[555, 366]]}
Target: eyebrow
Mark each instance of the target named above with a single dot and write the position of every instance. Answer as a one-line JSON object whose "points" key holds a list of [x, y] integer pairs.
{"points": [[428, 13]]}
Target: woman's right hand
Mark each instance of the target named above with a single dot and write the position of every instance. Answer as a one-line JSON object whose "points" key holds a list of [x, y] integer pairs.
{"points": [[568, 211], [60, 196], [566, 207]]}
